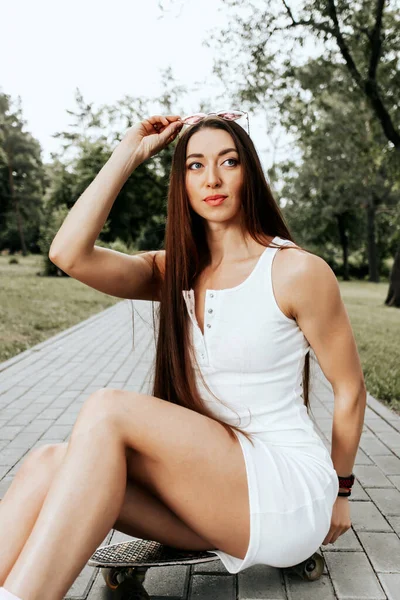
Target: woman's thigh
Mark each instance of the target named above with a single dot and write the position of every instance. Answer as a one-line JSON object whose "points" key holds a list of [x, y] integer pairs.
{"points": [[142, 514], [193, 465]]}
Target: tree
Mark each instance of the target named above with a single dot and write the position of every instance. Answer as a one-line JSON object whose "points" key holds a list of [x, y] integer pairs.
{"points": [[363, 37], [22, 180]]}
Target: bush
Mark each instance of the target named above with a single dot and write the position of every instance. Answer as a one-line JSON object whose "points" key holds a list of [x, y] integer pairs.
{"points": [[48, 231], [118, 245]]}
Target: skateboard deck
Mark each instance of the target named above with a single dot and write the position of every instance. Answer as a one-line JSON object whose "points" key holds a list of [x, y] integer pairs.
{"points": [[129, 561]]}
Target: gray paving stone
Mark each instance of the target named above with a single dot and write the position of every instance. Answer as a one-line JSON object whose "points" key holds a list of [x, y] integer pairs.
{"points": [[38, 425], [390, 438], [22, 419], [396, 451], [366, 517], [297, 589], [384, 411], [391, 584], [217, 587], [10, 457], [50, 413], [390, 465], [352, 576], [371, 476], [4, 470], [374, 447], [371, 414], [4, 485], [9, 432], [261, 581], [23, 441], [395, 479], [358, 492], [395, 523], [3, 444], [383, 550], [214, 566], [82, 584], [379, 425], [362, 458], [168, 581], [56, 431], [347, 541], [386, 499]]}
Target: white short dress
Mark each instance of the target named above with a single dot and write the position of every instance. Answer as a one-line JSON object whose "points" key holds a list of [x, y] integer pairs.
{"points": [[252, 357]]}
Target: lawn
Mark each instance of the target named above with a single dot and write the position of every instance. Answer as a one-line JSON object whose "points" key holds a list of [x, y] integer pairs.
{"points": [[34, 308]]}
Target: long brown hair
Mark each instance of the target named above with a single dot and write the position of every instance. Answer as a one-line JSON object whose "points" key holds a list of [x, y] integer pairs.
{"points": [[186, 255]]}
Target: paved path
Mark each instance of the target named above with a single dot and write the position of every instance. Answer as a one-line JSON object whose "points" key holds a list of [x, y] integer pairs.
{"points": [[42, 391]]}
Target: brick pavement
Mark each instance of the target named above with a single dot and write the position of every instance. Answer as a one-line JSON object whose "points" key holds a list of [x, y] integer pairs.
{"points": [[42, 391]]}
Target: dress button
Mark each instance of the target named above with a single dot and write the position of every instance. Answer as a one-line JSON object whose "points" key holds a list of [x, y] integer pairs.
{"points": [[208, 325], [211, 295], [210, 310]]}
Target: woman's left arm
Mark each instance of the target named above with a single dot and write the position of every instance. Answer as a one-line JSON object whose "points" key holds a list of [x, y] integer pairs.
{"points": [[317, 306]]}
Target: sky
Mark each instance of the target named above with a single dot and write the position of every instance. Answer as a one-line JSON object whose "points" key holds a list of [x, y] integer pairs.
{"points": [[109, 50]]}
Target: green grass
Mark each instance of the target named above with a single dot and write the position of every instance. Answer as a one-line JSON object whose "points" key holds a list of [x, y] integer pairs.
{"points": [[34, 308], [376, 329]]}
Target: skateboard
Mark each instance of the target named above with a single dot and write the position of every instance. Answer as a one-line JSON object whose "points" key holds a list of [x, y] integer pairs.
{"points": [[129, 561], [125, 564]]}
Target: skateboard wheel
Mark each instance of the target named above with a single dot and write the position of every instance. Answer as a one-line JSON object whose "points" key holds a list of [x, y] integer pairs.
{"points": [[310, 569], [110, 576]]}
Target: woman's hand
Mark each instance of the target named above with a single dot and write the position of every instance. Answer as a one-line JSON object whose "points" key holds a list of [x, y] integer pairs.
{"points": [[150, 136], [340, 521]]}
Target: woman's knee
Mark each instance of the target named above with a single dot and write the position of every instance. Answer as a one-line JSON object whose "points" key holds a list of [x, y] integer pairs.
{"points": [[48, 456]]}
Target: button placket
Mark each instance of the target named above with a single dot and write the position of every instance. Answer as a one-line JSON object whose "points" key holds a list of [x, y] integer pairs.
{"points": [[209, 311], [208, 316]]}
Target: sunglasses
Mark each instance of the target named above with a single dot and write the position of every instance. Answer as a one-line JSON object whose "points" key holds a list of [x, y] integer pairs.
{"points": [[228, 115]]}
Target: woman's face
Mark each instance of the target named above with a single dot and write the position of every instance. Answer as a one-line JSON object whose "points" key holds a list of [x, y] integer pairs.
{"points": [[210, 174]]}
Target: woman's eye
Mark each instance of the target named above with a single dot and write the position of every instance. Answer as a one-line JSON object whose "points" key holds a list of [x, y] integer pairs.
{"points": [[197, 163]]}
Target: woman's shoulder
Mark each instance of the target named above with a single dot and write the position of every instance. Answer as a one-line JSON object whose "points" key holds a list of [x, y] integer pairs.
{"points": [[297, 259]]}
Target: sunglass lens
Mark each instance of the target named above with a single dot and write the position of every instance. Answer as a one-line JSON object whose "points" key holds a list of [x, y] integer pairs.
{"points": [[192, 119], [231, 115]]}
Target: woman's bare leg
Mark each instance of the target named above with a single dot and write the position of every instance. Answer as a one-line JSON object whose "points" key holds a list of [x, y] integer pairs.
{"points": [[22, 502], [80, 487], [142, 515], [81, 506]]}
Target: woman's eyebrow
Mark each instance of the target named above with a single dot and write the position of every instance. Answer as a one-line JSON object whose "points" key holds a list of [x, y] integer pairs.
{"points": [[219, 153]]}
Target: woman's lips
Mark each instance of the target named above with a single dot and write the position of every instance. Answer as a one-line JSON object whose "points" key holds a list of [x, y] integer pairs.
{"points": [[216, 202]]}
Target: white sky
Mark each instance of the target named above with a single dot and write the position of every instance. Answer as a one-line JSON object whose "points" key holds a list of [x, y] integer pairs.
{"points": [[108, 50]]}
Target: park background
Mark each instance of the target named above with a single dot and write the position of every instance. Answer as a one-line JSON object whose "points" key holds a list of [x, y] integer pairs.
{"points": [[321, 87]]}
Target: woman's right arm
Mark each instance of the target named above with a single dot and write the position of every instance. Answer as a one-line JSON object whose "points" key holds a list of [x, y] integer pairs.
{"points": [[73, 248], [76, 238]]}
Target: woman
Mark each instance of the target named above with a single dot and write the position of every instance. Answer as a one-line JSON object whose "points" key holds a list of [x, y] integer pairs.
{"points": [[237, 319]]}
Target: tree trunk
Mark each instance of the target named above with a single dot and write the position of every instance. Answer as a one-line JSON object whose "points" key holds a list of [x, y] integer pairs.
{"points": [[16, 205], [393, 297], [371, 242]]}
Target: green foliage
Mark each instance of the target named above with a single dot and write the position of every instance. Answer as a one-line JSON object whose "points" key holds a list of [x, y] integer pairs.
{"points": [[339, 181], [30, 199], [118, 245], [48, 230], [22, 180]]}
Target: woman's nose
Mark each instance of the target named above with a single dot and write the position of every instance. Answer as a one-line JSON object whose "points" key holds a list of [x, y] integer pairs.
{"points": [[213, 176]]}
